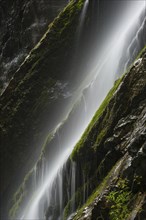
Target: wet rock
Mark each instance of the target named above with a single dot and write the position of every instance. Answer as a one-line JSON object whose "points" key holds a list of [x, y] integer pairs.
{"points": [[71, 217], [126, 139], [134, 145], [22, 23], [144, 149], [110, 143], [100, 210], [142, 213], [136, 161], [138, 62]]}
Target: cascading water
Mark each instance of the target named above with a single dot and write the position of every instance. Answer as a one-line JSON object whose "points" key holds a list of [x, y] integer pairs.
{"points": [[73, 181], [41, 197], [134, 45], [79, 31], [82, 19], [58, 182]]}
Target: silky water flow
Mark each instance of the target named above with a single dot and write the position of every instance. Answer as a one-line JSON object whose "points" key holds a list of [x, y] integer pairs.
{"points": [[49, 193]]}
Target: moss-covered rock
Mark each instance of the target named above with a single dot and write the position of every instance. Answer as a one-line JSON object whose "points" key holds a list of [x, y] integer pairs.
{"points": [[22, 25], [33, 94], [116, 131]]}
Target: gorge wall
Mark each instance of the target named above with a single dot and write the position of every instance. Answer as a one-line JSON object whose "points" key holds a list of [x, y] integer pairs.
{"points": [[22, 24], [50, 94]]}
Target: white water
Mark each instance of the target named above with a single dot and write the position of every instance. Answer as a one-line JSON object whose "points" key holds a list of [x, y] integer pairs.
{"points": [[96, 90], [135, 41], [73, 181], [82, 19], [33, 210]]}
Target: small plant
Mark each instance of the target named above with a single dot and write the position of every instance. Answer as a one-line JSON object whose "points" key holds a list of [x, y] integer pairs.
{"points": [[119, 200]]}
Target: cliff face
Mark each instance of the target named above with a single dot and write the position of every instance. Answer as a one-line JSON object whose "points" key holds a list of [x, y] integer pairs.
{"points": [[111, 155], [36, 89], [109, 160], [105, 174], [22, 24]]}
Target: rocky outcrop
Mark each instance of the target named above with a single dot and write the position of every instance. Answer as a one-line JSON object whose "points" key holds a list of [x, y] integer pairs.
{"points": [[22, 24], [38, 86], [34, 93], [112, 154], [109, 159]]}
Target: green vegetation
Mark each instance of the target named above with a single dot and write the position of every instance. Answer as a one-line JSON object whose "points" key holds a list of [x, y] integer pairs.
{"points": [[77, 198], [138, 56], [32, 75], [121, 198], [22, 191], [83, 147], [49, 49], [96, 192], [35, 77], [80, 145], [19, 196], [119, 201], [140, 53]]}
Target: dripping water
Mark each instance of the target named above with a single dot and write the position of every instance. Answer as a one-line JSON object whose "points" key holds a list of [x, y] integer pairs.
{"points": [[82, 20], [134, 44], [73, 184], [79, 31], [35, 177], [50, 193], [85, 104]]}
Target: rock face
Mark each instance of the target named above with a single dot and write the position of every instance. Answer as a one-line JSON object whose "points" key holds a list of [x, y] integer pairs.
{"points": [[36, 90], [108, 162], [112, 153], [22, 24], [12, 103]]}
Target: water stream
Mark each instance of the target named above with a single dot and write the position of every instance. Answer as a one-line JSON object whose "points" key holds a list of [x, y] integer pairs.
{"points": [[51, 191], [82, 20]]}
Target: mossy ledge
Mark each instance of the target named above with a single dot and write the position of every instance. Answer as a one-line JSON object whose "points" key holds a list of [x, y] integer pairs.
{"points": [[108, 153], [80, 144], [24, 192], [103, 159], [28, 99]]}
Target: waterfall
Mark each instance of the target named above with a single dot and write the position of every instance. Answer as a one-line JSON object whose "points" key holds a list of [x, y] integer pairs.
{"points": [[35, 177], [59, 139], [42, 194], [57, 181], [73, 184], [134, 44], [82, 19], [85, 105], [78, 36]]}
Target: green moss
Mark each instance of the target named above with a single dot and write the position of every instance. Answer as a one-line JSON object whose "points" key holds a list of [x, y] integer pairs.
{"points": [[77, 198], [119, 200], [124, 195], [94, 194], [59, 35], [80, 145], [15, 208], [22, 191], [19, 196], [30, 87], [66, 211], [138, 56], [141, 52]]}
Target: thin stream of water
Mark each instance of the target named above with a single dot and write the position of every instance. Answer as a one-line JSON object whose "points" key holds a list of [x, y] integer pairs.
{"points": [[96, 90]]}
